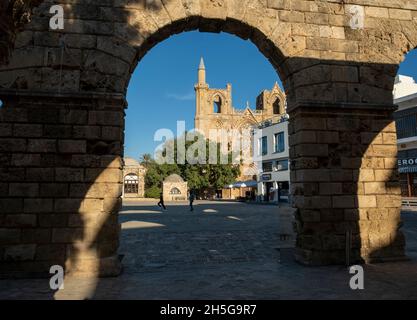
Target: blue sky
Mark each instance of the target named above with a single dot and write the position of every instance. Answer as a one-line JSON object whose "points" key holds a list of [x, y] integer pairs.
{"points": [[161, 90], [162, 86], [409, 66]]}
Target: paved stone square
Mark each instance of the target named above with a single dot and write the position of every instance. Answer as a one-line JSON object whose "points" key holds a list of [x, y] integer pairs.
{"points": [[215, 234], [222, 250]]}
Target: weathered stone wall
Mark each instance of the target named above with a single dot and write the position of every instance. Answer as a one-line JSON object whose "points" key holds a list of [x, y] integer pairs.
{"points": [[345, 180], [105, 39], [61, 182], [61, 123]]}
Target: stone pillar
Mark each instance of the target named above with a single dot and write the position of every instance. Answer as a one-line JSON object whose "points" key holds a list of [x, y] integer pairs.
{"points": [[60, 183], [344, 181]]}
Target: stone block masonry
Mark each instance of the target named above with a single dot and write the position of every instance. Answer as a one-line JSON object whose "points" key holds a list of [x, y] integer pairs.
{"points": [[61, 133], [61, 199], [339, 189]]}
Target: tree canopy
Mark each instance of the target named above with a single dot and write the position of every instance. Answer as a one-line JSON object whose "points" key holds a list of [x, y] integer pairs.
{"points": [[201, 178]]}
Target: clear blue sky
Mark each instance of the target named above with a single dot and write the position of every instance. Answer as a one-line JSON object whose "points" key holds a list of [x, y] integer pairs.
{"points": [[409, 66], [161, 90]]}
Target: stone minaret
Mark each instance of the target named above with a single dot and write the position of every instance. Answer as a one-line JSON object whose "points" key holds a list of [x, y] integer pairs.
{"points": [[201, 91], [202, 73]]}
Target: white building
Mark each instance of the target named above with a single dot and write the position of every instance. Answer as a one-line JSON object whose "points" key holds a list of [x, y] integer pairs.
{"points": [[404, 87], [271, 155], [405, 97]]}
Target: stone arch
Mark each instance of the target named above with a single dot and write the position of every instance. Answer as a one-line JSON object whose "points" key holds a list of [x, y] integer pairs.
{"points": [[405, 85], [337, 103], [128, 30], [245, 123], [107, 66], [243, 29]]}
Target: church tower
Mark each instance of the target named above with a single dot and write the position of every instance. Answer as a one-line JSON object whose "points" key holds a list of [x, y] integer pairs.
{"points": [[212, 105], [272, 103], [214, 111]]}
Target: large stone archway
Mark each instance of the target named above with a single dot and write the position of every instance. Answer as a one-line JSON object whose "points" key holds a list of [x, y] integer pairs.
{"points": [[62, 123]]}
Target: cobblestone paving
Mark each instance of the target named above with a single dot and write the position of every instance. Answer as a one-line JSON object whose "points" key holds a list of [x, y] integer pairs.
{"points": [[221, 251], [199, 248], [216, 233]]}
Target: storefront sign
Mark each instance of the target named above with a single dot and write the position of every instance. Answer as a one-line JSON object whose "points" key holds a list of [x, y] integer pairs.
{"points": [[266, 177], [407, 165]]}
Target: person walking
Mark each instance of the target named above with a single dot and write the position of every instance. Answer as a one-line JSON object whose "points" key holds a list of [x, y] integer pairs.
{"points": [[192, 198], [161, 203]]}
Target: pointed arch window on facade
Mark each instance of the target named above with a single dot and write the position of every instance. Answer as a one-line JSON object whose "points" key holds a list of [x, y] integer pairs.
{"points": [[175, 191], [217, 104], [276, 106]]}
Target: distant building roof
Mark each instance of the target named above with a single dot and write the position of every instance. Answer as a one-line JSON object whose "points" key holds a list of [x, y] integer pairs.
{"points": [[130, 162], [404, 86], [174, 178]]}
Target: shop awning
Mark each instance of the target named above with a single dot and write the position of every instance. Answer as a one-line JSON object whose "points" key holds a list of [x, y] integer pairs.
{"points": [[243, 184]]}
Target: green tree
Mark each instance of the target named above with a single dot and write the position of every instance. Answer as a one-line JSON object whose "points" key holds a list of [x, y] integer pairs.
{"points": [[152, 192], [202, 178], [146, 159]]}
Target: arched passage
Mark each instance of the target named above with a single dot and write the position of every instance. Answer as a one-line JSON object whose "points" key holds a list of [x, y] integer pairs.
{"points": [[69, 162], [405, 97]]}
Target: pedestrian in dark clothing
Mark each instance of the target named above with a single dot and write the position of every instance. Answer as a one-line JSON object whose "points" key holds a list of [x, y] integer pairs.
{"points": [[161, 203], [192, 198]]}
